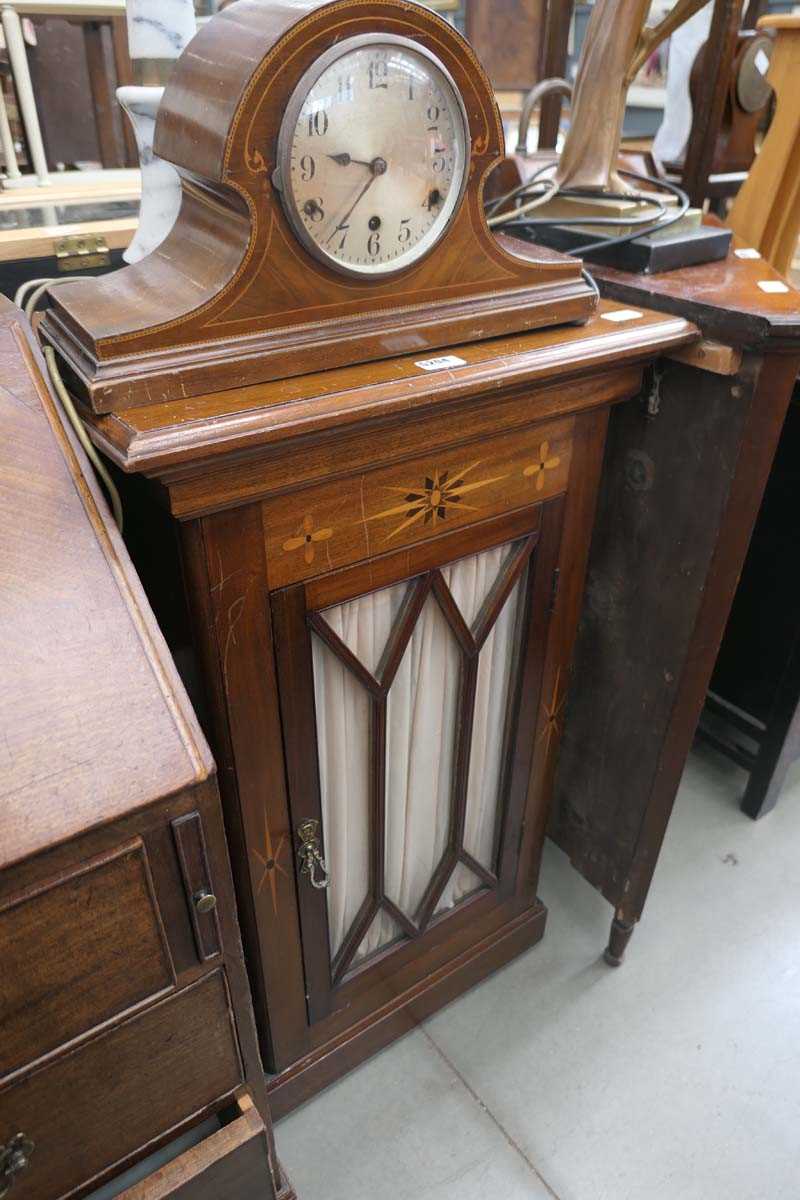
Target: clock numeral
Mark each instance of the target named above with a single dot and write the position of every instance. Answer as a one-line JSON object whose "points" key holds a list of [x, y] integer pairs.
{"points": [[411, 87], [307, 168], [439, 163], [378, 74], [405, 231], [343, 230], [344, 91], [433, 112], [374, 245], [314, 210], [318, 123]]}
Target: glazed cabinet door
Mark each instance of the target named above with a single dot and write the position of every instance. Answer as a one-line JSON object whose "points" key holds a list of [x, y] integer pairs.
{"points": [[409, 693]]}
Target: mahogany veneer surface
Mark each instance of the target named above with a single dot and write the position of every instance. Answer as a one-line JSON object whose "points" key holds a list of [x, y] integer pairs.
{"points": [[87, 680]]}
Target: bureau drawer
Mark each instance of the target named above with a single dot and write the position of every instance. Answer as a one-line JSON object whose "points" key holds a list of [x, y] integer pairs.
{"points": [[79, 950], [231, 1164], [331, 525], [97, 1106]]}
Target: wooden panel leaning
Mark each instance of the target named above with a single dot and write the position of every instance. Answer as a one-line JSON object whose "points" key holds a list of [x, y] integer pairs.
{"points": [[124, 1002], [683, 477]]}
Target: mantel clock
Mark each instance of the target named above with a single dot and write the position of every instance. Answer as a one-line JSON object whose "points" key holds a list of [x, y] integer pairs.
{"points": [[380, 547], [333, 158]]}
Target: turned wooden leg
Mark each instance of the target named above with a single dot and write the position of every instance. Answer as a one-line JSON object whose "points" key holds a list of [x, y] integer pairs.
{"points": [[618, 940]]}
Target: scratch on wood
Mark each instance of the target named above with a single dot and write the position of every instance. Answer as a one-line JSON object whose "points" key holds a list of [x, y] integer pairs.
{"points": [[364, 512], [235, 613]]}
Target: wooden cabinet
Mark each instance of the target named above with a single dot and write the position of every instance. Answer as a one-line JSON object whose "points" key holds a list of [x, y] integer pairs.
{"points": [[124, 1003], [383, 566]]}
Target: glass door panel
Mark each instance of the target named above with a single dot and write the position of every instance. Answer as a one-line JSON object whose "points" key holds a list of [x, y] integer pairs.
{"points": [[413, 687]]}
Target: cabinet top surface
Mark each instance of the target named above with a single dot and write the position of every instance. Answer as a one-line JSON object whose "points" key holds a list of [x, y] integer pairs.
{"points": [[94, 720], [199, 427]]}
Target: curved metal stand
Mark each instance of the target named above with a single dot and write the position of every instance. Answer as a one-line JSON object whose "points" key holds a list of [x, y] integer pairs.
{"points": [[534, 96]]}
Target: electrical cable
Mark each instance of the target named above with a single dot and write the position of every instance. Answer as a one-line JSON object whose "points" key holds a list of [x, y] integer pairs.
{"points": [[83, 437], [493, 205], [22, 290], [41, 286], [540, 198], [592, 282], [645, 224]]}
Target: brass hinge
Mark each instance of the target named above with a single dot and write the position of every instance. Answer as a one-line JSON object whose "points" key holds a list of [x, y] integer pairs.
{"points": [[81, 251], [651, 391]]}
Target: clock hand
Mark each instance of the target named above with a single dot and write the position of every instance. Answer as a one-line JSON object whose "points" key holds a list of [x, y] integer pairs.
{"points": [[378, 167], [344, 160]]}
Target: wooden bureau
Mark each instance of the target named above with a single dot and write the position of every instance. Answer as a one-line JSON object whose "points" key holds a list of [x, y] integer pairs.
{"points": [[124, 1003]]}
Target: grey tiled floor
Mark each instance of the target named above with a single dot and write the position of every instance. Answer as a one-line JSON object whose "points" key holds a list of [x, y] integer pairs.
{"points": [[676, 1077]]}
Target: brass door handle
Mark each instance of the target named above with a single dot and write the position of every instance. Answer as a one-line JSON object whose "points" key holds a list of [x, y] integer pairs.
{"points": [[14, 1158], [204, 901], [310, 855]]}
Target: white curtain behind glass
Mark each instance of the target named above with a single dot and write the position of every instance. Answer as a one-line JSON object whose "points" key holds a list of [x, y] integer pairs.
{"points": [[421, 734]]}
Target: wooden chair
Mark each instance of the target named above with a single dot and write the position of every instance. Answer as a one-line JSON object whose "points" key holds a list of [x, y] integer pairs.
{"points": [[766, 212], [752, 712]]}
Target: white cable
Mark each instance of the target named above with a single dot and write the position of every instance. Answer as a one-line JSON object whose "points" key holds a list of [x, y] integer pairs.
{"points": [[41, 286], [551, 189], [83, 437], [23, 288]]}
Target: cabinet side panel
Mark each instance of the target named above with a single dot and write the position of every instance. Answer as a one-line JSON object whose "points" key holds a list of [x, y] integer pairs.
{"points": [[228, 592], [670, 483]]}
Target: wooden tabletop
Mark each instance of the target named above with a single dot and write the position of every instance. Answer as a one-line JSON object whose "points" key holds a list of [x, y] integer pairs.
{"points": [[94, 722], [741, 300]]}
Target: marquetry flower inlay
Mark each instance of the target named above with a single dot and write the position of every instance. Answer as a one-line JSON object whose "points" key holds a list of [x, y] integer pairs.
{"points": [[547, 462], [306, 537], [442, 493]]}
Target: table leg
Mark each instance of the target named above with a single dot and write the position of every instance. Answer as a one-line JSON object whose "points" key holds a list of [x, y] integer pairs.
{"points": [[7, 141], [618, 939]]}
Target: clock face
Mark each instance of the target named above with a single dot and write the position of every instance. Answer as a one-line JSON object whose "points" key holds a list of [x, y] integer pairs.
{"points": [[373, 155]]}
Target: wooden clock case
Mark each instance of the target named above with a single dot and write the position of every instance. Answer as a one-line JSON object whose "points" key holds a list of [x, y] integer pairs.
{"points": [[231, 297]]}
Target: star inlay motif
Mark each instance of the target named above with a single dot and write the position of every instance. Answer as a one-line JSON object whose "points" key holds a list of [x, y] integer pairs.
{"points": [[441, 493], [270, 863], [553, 713]]}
